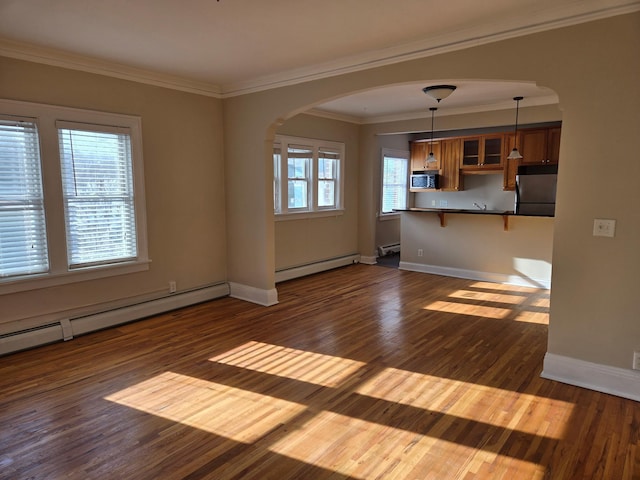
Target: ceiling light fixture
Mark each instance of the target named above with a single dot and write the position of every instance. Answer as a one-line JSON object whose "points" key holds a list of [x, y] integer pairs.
{"points": [[431, 157], [439, 92], [515, 154]]}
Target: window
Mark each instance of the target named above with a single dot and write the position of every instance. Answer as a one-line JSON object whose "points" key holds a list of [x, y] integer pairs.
{"points": [[314, 175], [78, 212], [97, 184], [23, 238], [395, 173]]}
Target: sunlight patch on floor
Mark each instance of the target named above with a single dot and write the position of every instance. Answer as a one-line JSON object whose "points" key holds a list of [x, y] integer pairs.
{"points": [[493, 406], [316, 368], [351, 446], [541, 318], [509, 298], [471, 310], [230, 412], [503, 287], [541, 302], [498, 313]]}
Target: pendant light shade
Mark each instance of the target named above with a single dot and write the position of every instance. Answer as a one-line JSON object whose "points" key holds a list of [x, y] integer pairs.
{"points": [[515, 154], [439, 91]]}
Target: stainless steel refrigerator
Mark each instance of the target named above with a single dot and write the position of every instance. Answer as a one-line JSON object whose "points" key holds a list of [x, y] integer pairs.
{"points": [[536, 190]]}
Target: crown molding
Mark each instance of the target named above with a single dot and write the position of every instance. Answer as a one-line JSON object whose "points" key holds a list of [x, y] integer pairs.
{"points": [[59, 58], [580, 11]]}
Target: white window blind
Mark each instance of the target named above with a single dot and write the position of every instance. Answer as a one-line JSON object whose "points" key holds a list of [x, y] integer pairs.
{"points": [[98, 194], [299, 168], [23, 239], [394, 183], [328, 168]]}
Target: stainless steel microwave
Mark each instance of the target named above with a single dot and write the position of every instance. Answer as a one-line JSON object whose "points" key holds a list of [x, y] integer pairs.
{"points": [[425, 181]]}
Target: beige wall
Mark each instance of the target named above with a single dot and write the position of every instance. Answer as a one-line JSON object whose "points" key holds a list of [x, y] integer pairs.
{"points": [[309, 240], [477, 246], [594, 314], [183, 166]]}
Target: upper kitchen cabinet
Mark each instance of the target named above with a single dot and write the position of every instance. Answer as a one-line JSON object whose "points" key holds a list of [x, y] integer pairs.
{"points": [[510, 165], [450, 178], [540, 145], [537, 146], [553, 144], [483, 153], [420, 152]]}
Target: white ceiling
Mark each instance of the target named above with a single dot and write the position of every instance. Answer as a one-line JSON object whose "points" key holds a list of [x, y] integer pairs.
{"points": [[229, 47]]}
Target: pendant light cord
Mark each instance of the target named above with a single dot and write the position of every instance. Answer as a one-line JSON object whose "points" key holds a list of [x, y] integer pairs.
{"points": [[515, 132], [433, 111]]}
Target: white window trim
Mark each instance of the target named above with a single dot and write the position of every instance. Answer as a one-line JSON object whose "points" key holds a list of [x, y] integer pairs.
{"points": [[390, 152], [59, 272], [313, 211]]}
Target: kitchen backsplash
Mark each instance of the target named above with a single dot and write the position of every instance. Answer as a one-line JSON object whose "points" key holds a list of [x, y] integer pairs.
{"points": [[480, 189]]}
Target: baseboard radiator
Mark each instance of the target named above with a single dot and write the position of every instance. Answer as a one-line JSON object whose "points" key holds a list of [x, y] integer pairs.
{"points": [[315, 267], [67, 328], [387, 249]]}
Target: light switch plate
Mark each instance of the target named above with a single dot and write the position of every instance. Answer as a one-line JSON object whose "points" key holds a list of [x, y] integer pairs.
{"points": [[604, 227]]}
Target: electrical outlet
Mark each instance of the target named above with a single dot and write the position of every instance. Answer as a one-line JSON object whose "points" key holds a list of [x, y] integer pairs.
{"points": [[433, 203], [444, 203], [636, 361], [603, 227], [420, 252], [172, 286]]}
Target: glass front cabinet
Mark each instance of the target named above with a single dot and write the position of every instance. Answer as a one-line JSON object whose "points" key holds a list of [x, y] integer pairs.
{"points": [[482, 153]]}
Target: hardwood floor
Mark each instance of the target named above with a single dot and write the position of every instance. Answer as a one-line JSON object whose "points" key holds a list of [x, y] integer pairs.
{"points": [[359, 373]]}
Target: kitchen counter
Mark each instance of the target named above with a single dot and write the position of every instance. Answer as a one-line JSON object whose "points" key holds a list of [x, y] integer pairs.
{"points": [[442, 213], [457, 210], [474, 246]]}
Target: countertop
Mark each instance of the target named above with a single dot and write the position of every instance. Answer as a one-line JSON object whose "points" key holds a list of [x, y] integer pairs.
{"points": [[471, 211], [443, 212], [457, 210]]}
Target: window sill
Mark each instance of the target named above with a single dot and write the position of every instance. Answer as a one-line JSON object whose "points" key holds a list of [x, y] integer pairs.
{"points": [[283, 217], [44, 280], [389, 216]]}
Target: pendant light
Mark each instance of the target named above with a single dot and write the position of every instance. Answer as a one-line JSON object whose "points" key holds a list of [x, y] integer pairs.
{"points": [[515, 154], [431, 157], [439, 92]]}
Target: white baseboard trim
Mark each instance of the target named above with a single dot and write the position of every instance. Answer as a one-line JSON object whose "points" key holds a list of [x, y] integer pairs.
{"points": [[30, 339], [254, 295], [601, 378], [477, 275], [65, 327], [368, 260], [317, 267], [134, 312]]}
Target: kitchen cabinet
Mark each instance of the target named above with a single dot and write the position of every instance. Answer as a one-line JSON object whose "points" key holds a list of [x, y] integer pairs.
{"points": [[450, 178], [420, 152], [537, 146], [482, 153], [540, 146], [510, 165], [553, 145]]}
